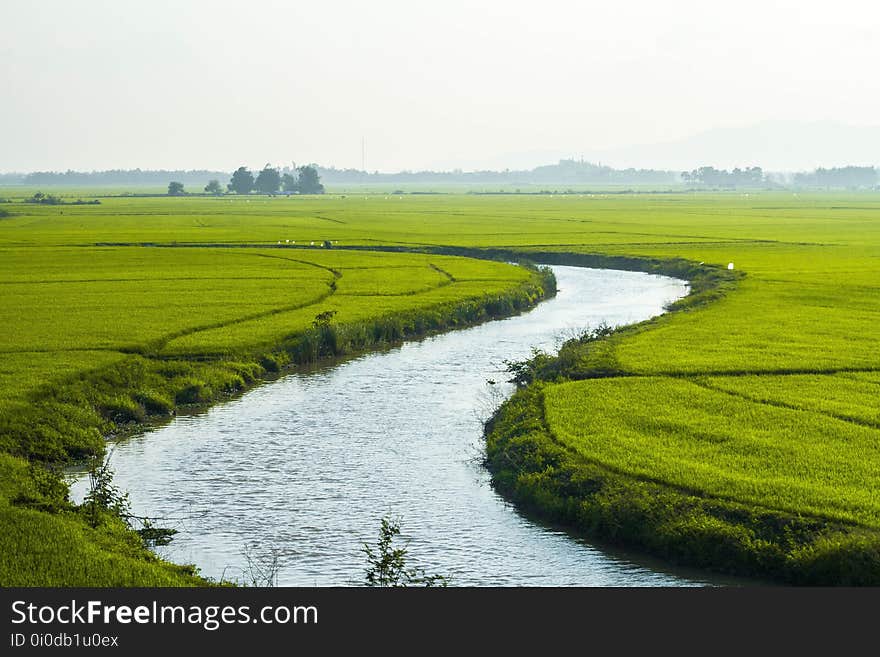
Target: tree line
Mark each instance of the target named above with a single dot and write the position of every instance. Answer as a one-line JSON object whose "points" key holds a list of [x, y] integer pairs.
{"points": [[110, 177], [565, 171], [839, 177], [269, 180], [850, 177], [712, 177]]}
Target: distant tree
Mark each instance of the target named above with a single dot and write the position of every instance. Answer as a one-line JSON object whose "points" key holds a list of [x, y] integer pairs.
{"points": [[175, 189], [309, 181], [242, 181], [850, 176], [40, 197], [289, 183], [268, 180], [213, 187], [755, 176], [712, 177]]}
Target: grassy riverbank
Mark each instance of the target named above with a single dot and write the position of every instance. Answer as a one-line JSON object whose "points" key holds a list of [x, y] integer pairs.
{"points": [[49, 542], [100, 340], [740, 436], [750, 417]]}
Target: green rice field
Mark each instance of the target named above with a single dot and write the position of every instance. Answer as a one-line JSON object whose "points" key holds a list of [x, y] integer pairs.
{"points": [[740, 432]]}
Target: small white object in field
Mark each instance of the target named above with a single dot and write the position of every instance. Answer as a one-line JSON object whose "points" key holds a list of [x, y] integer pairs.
{"points": [[730, 265], [288, 241], [311, 244]]}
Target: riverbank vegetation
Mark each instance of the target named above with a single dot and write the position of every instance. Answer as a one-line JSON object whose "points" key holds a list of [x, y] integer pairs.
{"points": [[740, 433], [99, 340]]}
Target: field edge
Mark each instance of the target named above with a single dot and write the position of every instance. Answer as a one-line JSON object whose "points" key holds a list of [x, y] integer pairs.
{"points": [[539, 474], [74, 419]]}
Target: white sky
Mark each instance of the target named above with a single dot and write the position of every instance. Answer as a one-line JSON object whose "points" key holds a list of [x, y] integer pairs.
{"points": [[88, 84]]}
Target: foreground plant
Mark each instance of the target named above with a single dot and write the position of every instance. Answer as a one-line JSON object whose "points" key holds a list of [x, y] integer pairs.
{"points": [[387, 563], [106, 499]]}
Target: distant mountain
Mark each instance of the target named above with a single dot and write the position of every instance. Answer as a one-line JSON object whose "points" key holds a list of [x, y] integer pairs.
{"points": [[773, 145]]}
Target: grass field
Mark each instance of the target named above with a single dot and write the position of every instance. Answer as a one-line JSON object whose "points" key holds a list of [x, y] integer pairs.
{"points": [[756, 412], [100, 338]]}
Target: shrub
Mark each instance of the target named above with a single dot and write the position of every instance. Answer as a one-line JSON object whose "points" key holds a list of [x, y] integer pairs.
{"points": [[387, 563]]}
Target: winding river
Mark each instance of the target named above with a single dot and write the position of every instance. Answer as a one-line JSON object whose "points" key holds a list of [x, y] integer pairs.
{"points": [[308, 464]]}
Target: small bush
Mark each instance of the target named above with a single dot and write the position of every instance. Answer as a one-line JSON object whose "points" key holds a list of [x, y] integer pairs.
{"points": [[43, 199], [46, 489], [387, 563]]}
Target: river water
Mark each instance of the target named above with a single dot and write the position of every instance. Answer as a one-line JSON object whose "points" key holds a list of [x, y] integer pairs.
{"points": [[306, 466]]}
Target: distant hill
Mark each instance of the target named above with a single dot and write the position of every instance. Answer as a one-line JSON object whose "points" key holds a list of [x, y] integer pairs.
{"points": [[773, 145]]}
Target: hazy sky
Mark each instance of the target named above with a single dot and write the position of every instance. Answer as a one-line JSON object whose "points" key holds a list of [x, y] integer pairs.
{"points": [[90, 84]]}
